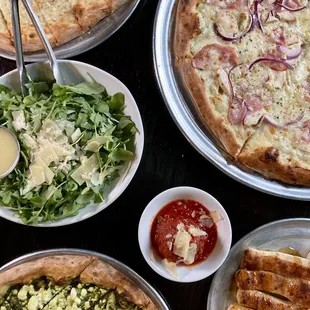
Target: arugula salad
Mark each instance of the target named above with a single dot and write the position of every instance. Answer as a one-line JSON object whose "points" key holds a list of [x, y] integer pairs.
{"points": [[74, 141]]}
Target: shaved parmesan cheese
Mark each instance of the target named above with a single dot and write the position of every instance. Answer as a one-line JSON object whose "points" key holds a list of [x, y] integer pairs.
{"points": [[48, 155], [168, 236], [170, 244], [76, 135], [86, 170], [196, 232], [216, 216], [92, 146], [37, 175], [190, 258], [19, 120], [181, 244], [171, 267], [180, 227]]}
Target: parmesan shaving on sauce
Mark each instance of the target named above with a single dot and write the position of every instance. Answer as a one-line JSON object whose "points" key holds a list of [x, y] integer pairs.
{"points": [[182, 245], [216, 216]]}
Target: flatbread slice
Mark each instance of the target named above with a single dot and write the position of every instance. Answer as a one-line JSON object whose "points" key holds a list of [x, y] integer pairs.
{"points": [[60, 19], [30, 38], [90, 12], [261, 301], [5, 36], [277, 262], [295, 290], [103, 274]]}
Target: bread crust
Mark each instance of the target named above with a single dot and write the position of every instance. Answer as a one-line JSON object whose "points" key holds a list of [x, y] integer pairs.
{"points": [[103, 274], [266, 161], [187, 25], [61, 269], [90, 15]]}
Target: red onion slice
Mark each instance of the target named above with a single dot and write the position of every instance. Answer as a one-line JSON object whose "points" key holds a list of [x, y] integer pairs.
{"points": [[274, 123], [290, 53], [271, 60], [230, 82], [231, 39], [288, 8], [257, 17]]}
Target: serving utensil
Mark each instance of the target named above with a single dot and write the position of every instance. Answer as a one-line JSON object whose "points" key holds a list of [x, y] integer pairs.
{"points": [[24, 78]]}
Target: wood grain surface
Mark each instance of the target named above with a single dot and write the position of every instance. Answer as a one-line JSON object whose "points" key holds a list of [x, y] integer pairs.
{"points": [[168, 161]]}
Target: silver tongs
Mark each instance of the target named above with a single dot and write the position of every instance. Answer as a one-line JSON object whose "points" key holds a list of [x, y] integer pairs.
{"points": [[19, 47]]}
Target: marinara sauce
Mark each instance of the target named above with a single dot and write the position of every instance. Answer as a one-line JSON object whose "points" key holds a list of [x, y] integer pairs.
{"points": [[189, 214]]}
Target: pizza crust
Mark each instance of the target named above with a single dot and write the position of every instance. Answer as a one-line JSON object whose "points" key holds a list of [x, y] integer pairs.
{"points": [[187, 26], [90, 12], [266, 153], [30, 38], [5, 37], [103, 274], [59, 269]]}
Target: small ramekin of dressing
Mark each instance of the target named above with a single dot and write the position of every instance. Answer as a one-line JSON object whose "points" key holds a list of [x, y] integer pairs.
{"points": [[9, 152]]}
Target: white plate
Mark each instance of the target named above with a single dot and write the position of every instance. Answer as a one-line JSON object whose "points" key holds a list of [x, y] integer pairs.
{"points": [[76, 72], [220, 252], [293, 233]]}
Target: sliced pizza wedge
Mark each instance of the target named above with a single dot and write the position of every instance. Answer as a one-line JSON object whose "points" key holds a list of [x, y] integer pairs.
{"points": [[30, 38], [90, 12], [5, 36], [60, 19], [279, 154]]}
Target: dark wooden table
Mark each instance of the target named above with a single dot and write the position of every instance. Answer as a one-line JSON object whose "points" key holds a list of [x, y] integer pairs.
{"points": [[168, 161]]}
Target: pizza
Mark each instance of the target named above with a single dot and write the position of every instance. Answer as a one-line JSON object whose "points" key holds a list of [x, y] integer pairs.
{"points": [[246, 65], [62, 20], [71, 282]]}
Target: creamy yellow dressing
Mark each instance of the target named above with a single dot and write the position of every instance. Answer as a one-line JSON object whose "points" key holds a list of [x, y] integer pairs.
{"points": [[8, 151]]}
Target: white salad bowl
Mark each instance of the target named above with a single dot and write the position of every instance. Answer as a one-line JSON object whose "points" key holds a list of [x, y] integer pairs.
{"points": [[76, 72], [198, 271]]}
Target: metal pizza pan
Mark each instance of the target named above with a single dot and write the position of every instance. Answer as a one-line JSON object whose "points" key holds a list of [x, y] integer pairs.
{"points": [[187, 118]]}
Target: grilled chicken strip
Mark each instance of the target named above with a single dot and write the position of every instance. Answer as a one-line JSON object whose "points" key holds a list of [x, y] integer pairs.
{"points": [[295, 290], [262, 301], [277, 262], [237, 307]]}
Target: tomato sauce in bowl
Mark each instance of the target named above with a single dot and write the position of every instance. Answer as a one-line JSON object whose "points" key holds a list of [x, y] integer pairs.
{"points": [[184, 232]]}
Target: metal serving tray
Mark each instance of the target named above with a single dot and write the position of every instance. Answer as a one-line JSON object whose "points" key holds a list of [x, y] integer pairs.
{"points": [[129, 273], [96, 35], [188, 120], [293, 233]]}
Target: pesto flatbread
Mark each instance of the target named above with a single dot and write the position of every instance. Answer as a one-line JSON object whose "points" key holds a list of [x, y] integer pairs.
{"points": [[62, 20], [246, 65], [68, 282]]}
